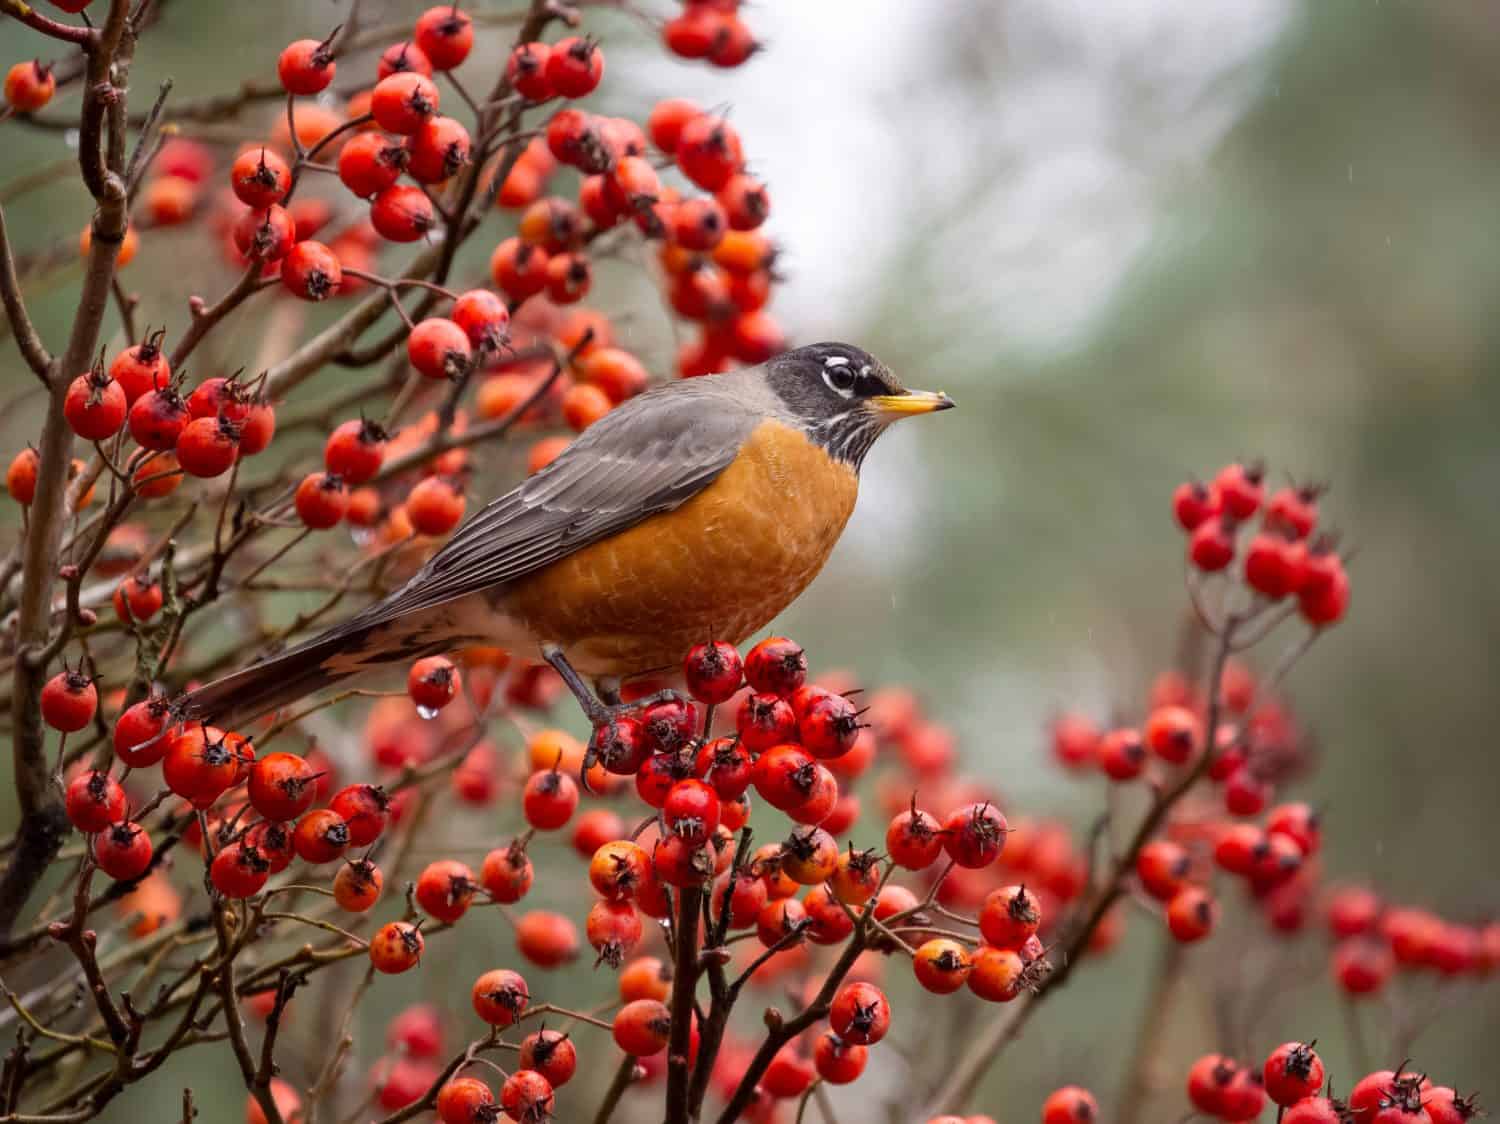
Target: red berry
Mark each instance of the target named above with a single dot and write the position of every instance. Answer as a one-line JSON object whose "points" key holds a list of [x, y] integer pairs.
{"points": [[357, 885], [526, 71], [439, 349], [208, 447], [974, 835], [764, 721], [666, 121], [550, 1053], [438, 150], [446, 35], [29, 86], [727, 765], [321, 836], [860, 1014], [712, 671], [519, 268], [370, 162], [506, 874], [95, 405], [1274, 564], [306, 67], [1326, 605], [1193, 503], [942, 965], [641, 1028], [123, 851], [1009, 917], [1208, 1081], [549, 799], [829, 726], [321, 500], [1241, 488], [1294, 510], [1121, 754], [69, 700], [1070, 1105], [239, 871], [282, 786], [1298, 822], [1173, 733], [401, 57], [1362, 965], [396, 947], [140, 735], [464, 1100], [1191, 914], [574, 67], [914, 839], [527, 1097], [402, 213], [445, 889], [311, 271], [436, 505], [141, 368], [691, 810], [158, 418], [363, 808], [708, 151], [259, 177], [484, 318], [355, 451], [1211, 545], [691, 35], [432, 683], [402, 103], [1292, 1071], [94, 801], [265, 235], [500, 996], [1163, 867], [776, 666], [613, 930]]}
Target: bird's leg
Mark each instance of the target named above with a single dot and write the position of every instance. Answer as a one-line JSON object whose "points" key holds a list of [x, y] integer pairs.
{"points": [[596, 711], [599, 712]]}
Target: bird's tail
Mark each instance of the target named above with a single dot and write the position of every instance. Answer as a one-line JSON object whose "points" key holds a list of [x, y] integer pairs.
{"points": [[342, 652]]}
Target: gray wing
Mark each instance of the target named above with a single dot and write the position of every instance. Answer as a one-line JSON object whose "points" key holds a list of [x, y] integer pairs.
{"points": [[647, 456]]}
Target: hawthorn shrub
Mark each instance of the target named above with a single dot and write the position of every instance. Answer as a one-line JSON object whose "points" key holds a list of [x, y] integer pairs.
{"points": [[172, 887]]}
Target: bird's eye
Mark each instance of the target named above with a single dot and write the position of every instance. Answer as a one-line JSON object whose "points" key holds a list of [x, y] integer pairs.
{"points": [[840, 379]]}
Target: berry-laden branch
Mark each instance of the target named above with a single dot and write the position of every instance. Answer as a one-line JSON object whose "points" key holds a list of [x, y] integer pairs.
{"points": [[42, 822]]}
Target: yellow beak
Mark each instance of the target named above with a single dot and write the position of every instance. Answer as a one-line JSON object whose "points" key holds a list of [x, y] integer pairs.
{"points": [[913, 402]]}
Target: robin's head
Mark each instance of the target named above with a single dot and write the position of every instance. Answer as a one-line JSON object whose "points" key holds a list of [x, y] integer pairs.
{"points": [[845, 397]]}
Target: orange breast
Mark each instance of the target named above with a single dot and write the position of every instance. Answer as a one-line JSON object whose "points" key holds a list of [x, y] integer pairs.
{"points": [[722, 565]]}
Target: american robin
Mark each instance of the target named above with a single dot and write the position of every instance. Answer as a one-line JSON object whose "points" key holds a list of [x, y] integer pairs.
{"points": [[699, 509]]}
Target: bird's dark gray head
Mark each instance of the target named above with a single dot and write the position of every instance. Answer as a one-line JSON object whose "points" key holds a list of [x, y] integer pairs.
{"points": [[844, 397]]}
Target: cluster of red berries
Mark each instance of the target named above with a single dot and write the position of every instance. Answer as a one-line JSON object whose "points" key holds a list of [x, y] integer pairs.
{"points": [[1292, 1078], [1284, 557], [710, 30], [1373, 939], [203, 433], [391, 146]]}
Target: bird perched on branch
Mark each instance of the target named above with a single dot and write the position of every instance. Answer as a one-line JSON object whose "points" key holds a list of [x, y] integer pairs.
{"points": [[699, 509]]}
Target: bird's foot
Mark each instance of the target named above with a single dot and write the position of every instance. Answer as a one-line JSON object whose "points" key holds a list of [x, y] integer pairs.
{"points": [[602, 713]]}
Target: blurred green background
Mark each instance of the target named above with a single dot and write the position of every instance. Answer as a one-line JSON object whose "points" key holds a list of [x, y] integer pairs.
{"points": [[1133, 243]]}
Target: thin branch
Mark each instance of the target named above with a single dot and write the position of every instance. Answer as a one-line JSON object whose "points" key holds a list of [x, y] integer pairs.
{"points": [[27, 339]]}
